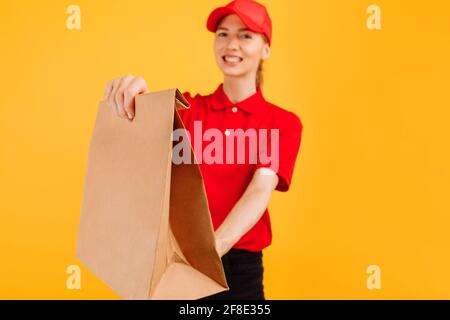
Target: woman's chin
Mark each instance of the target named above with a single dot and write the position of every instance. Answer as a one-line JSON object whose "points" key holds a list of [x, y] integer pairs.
{"points": [[231, 72]]}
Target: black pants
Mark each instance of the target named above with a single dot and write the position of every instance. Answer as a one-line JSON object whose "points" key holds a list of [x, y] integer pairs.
{"points": [[244, 273]]}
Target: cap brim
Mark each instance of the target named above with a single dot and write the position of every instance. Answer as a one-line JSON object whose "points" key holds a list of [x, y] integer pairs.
{"points": [[218, 14]]}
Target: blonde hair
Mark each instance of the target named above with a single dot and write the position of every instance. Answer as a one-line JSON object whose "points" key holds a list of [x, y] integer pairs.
{"points": [[259, 75], [259, 72]]}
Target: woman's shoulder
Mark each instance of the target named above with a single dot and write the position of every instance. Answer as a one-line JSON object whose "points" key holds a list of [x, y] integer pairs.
{"points": [[285, 118]]}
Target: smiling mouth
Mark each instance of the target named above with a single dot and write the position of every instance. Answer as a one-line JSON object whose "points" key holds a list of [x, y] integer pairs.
{"points": [[232, 59]]}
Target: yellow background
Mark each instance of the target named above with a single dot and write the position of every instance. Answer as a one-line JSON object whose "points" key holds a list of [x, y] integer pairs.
{"points": [[372, 180]]}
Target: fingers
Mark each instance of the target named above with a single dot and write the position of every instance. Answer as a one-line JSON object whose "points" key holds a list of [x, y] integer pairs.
{"points": [[135, 87], [119, 94], [112, 91]]}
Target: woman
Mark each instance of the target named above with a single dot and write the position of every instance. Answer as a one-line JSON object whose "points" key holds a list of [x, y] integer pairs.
{"points": [[238, 194]]}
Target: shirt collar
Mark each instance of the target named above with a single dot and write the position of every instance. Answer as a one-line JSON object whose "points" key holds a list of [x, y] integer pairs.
{"points": [[253, 104]]}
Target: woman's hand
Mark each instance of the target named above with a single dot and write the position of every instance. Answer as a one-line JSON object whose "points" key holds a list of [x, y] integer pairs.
{"points": [[222, 246], [120, 93]]}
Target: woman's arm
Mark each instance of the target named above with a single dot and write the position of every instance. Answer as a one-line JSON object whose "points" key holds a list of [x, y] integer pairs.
{"points": [[247, 211]]}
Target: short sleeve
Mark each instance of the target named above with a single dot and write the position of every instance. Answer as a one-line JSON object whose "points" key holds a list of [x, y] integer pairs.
{"points": [[282, 150]]}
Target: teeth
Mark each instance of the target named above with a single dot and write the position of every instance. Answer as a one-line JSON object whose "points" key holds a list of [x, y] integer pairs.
{"points": [[232, 59]]}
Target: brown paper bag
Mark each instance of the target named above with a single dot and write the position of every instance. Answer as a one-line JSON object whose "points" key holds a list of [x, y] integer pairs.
{"points": [[145, 227]]}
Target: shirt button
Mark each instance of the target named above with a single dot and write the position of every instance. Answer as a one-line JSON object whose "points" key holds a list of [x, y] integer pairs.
{"points": [[227, 132], [234, 109]]}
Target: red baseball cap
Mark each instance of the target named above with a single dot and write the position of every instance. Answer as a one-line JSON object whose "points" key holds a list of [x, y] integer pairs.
{"points": [[253, 14]]}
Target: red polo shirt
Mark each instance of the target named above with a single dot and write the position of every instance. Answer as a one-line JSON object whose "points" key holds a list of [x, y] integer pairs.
{"points": [[225, 181]]}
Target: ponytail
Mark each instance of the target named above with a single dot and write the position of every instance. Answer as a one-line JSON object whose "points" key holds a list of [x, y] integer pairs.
{"points": [[259, 75]]}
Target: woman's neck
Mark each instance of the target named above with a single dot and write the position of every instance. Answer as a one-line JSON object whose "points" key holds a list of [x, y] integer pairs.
{"points": [[239, 89]]}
